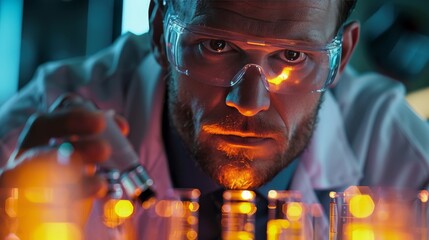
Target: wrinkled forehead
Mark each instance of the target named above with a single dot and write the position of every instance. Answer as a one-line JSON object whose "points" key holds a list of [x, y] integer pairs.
{"points": [[307, 20]]}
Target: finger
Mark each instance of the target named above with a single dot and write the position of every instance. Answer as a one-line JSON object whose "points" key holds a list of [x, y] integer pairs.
{"points": [[92, 150], [63, 123], [71, 100], [94, 186], [122, 124]]}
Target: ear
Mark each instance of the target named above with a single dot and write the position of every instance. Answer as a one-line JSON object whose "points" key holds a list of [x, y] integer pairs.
{"points": [[156, 31], [351, 32]]}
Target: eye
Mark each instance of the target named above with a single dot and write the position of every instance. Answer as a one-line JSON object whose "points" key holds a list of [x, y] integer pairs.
{"points": [[217, 45], [291, 56]]}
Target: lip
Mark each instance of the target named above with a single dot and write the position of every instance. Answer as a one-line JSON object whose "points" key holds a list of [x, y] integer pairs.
{"points": [[237, 138], [245, 141]]}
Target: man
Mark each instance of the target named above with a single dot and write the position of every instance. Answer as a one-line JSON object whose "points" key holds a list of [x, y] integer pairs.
{"points": [[244, 88]]}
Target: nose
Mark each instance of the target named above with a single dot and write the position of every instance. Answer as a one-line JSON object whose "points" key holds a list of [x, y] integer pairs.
{"points": [[249, 95]]}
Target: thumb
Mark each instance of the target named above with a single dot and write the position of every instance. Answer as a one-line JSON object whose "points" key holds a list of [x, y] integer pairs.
{"points": [[122, 124]]}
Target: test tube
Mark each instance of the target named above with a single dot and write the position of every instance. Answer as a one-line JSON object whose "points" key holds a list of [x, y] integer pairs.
{"points": [[362, 212], [32, 213], [44, 205], [117, 211], [422, 210], [335, 217], [134, 178], [238, 214], [180, 214], [287, 216], [8, 213]]}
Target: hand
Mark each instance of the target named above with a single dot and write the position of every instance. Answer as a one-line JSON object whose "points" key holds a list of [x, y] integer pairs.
{"points": [[69, 161]]}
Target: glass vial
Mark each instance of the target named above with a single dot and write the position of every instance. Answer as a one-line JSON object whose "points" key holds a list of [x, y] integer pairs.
{"points": [[238, 214], [180, 214], [287, 217]]}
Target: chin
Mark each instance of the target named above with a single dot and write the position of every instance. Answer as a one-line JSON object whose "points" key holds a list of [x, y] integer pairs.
{"points": [[237, 176], [232, 176], [239, 168]]}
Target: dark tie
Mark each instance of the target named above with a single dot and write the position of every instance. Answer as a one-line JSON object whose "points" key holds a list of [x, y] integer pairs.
{"points": [[209, 226], [210, 216]]}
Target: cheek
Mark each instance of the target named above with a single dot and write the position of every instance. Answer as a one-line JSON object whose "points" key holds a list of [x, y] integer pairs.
{"points": [[202, 102], [293, 109], [200, 97]]}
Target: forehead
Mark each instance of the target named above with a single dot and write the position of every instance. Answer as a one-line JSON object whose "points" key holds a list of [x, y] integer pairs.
{"points": [[308, 20]]}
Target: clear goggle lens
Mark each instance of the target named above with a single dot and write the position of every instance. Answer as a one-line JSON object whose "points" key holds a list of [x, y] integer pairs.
{"points": [[222, 58]]}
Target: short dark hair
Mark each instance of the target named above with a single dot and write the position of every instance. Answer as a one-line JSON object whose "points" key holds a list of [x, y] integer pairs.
{"points": [[346, 9]]}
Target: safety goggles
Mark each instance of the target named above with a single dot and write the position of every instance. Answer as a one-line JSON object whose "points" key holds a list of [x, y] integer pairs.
{"points": [[222, 58]]}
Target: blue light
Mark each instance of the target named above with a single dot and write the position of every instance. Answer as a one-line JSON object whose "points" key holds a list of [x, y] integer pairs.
{"points": [[135, 16], [10, 44]]}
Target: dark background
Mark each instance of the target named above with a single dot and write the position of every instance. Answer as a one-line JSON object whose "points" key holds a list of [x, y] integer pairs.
{"points": [[58, 29], [394, 40]]}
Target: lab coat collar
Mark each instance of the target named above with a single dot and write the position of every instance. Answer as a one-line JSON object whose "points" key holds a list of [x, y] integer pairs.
{"points": [[329, 162]]}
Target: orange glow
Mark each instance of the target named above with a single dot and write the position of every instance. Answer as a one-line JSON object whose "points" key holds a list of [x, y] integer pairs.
{"points": [[261, 43], [170, 208], [424, 196], [236, 178], [363, 233], [275, 226], [279, 79], [116, 212], [193, 206], [293, 211], [238, 235], [163, 209], [195, 193], [246, 151], [192, 220], [247, 195], [249, 227], [245, 208], [56, 231], [148, 203], [191, 235], [217, 129], [124, 208], [39, 195], [239, 208], [232, 150], [361, 206], [11, 207], [372, 231], [353, 190], [11, 204], [272, 194]]}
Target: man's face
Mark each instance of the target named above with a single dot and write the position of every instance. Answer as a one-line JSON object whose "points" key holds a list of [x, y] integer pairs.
{"points": [[243, 135]]}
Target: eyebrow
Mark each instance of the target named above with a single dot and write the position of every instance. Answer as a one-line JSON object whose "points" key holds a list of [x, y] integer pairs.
{"points": [[258, 41], [261, 39], [257, 28]]}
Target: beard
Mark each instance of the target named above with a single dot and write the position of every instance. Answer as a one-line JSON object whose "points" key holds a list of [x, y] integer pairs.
{"points": [[231, 167]]}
